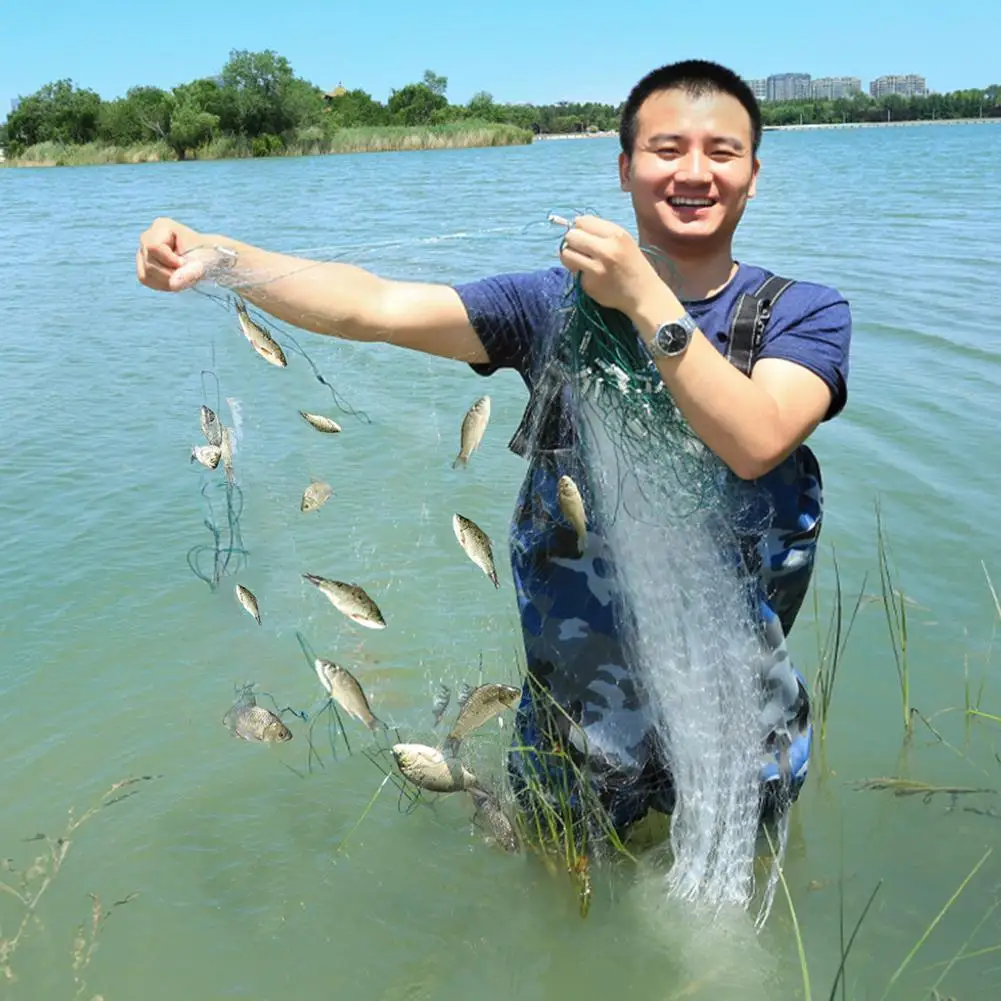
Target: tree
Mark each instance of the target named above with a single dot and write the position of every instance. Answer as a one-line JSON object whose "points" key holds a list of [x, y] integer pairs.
{"points": [[262, 85], [57, 112], [415, 104], [355, 108], [434, 83]]}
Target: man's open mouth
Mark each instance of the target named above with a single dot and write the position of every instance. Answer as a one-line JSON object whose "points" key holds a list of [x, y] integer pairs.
{"points": [[679, 202]]}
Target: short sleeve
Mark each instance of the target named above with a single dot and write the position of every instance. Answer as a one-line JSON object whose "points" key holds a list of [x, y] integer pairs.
{"points": [[812, 326], [512, 314]]}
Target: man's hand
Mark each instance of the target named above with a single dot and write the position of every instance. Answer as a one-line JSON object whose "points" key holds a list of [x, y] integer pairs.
{"points": [[160, 263], [614, 271]]}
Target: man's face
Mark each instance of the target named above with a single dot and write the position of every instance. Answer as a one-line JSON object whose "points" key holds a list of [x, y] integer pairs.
{"points": [[692, 168]]}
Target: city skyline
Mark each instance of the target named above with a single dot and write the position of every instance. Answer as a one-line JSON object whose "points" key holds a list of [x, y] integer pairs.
{"points": [[802, 86]]}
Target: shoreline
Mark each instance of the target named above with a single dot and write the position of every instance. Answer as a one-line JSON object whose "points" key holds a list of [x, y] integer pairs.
{"points": [[881, 125]]}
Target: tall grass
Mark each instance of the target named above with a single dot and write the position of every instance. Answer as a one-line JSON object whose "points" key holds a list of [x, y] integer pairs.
{"points": [[831, 652], [306, 142], [895, 606]]}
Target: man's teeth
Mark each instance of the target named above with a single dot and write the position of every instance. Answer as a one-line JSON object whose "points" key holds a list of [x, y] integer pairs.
{"points": [[692, 202]]}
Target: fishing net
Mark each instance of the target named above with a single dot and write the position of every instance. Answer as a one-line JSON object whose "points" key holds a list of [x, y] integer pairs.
{"points": [[673, 526]]}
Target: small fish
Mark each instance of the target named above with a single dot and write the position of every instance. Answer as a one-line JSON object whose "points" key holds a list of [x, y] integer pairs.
{"points": [[207, 455], [351, 600], [473, 425], [476, 545], [315, 496], [497, 822], [250, 721], [572, 505], [320, 422], [481, 704], [211, 427], [260, 340], [246, 598], [428, 768], [440, 703], [226, 450], [342, 686]]}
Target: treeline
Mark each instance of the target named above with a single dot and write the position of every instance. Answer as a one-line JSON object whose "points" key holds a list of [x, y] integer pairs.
{"points": [[259, 101]]}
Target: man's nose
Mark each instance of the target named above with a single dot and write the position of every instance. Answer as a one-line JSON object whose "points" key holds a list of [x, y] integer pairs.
{"points": [[694, 168]]}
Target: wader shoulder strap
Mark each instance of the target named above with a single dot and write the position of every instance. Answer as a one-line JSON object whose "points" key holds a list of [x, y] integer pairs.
{"points": [[750, 318]]}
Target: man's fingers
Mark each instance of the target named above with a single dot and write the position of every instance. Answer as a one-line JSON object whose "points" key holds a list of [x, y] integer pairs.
{"points": [[596, 225], [583, 242], [188, 274], [162, 254]]}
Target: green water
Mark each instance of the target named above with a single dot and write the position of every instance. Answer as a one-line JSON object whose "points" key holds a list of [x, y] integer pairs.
{"points": [[117, 661]]}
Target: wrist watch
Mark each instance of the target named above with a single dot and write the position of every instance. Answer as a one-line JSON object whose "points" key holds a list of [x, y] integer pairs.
{"points": [[671, 339]]}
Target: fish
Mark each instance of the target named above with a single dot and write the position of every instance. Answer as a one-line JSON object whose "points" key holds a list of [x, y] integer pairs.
{"points": [[497, 822], [207, 455], [473, 425], [315, 496], [351, 600], [320, 422], [246, 598], [260, 340], [211, 427], [572, 505], [476, 545], [226, 451], [428, 768], [475, 708], [250, 721], [440, 703], [343, 687]]}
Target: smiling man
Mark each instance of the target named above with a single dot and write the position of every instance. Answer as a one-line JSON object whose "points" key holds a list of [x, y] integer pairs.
{"points": [[755, 362]]}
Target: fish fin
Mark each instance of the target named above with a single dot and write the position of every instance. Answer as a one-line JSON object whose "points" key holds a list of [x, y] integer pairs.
{"points": [[464, 694], [493, 577], [460, 460], [312, 578]]}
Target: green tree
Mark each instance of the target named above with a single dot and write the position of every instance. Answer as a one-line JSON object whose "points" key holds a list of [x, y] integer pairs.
{"points": [[415, 104], [434, 83], [355, 108], [142, 115], [262, 83], [57, 112]]}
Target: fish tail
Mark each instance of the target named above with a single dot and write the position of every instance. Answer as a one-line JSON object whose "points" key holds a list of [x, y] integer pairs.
{"points": [[494, 578], [451, 746], [460, 460], [312, 578]]}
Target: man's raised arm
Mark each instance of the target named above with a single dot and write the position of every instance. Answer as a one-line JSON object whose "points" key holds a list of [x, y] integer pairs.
{"points": [[340, 300]]}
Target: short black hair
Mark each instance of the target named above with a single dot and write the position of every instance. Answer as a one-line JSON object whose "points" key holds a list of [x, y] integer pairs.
{"points": [[695, 77]]}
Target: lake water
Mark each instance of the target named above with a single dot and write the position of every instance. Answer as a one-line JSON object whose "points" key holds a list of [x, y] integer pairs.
{"points": [[253, 875]]}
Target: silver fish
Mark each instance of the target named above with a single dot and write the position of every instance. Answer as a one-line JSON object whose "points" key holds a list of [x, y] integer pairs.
{"points": [[496, 820], [246, 598], [428, 768], [315, 496], [342, 686], [226, 450], [473, 425], [476, 545], [351, 600], [260, 340], [211, 427], [207, 455], [572, 505], [481, 704], [440, 703], [250, 721], [320, 422]]}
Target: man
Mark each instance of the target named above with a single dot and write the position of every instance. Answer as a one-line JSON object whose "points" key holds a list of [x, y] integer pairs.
{"points": [[753, 374]]}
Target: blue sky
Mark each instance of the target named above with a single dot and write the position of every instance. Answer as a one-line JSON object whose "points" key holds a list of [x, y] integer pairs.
{"points": [[519, 50]]}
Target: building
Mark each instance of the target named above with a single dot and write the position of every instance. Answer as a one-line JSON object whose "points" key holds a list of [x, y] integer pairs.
{"points": [[906, 86], [759, 88], [830, 88], [338, 91], [788, 87]]}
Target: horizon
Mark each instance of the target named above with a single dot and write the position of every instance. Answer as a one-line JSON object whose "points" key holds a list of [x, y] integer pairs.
{"points": [[530, 58]]}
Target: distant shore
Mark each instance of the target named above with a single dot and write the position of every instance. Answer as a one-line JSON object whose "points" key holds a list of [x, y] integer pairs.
{"points": [[377, 139], [883, 125]]}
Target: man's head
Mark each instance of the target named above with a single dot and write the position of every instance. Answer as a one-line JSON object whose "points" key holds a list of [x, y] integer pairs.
{"points": [[690, 133]]}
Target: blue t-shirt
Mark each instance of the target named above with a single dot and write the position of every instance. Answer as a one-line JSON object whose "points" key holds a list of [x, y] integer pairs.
{"points": [[517, 315]]}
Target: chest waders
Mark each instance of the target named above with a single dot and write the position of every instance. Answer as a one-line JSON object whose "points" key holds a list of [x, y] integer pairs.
{"points": [[583, 735]]}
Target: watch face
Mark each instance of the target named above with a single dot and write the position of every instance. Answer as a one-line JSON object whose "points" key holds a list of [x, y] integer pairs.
{"points": [[672, 338]]}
